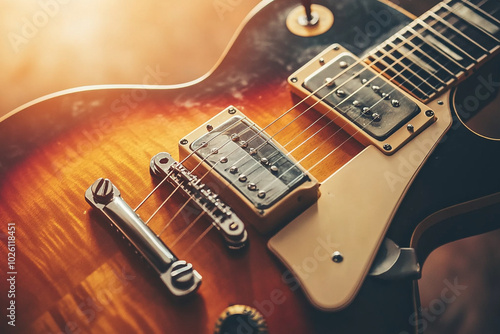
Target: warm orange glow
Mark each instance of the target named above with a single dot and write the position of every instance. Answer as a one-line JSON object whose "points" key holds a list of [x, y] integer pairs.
{"points": [[50, 45]]}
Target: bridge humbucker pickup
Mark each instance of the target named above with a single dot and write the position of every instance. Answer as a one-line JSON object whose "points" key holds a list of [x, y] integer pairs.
{"points": [[253, 173], [277, 174], [179, 276], [227, 222]]}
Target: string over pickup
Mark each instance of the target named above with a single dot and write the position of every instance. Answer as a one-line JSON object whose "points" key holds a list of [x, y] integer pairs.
{"points": [[179, 276], [223, 218]]}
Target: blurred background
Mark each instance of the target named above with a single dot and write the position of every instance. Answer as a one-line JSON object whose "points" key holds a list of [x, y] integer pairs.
{"points": [[51, 45]]}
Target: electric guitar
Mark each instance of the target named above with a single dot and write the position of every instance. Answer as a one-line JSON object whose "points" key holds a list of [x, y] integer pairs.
{"points": [[296, 188]]}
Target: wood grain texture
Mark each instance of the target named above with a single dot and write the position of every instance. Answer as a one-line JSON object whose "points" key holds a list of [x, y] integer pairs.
{"points": [[77, 275]]}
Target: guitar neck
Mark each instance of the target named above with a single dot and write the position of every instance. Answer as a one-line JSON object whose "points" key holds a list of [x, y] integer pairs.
{"points": [[440, 47]]}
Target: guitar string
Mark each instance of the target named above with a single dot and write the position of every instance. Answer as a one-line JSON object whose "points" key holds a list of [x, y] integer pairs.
{"points": [[166, 177], [356, 131], [255, 136], [188, 156], [385, 54], [333, 119], [398, 73], [325, 141], [360, 60], [317, 163], [355, 76], [244, 131], [229, 140]]}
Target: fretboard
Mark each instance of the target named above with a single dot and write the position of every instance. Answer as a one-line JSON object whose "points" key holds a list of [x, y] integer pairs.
{"points": [[440, 47]]}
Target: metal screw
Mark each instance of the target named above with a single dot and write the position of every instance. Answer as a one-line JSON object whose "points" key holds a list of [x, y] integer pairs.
{"points": [[184, 141], [410, 128], [376, 88], [264, 161], [440, 102], [395, 103], [322, 61], [209, 127], [261, 194], [387, 147], [376, 117], [102, 189], [356, 103], [243, 144], [252, 186], [233, 226], [294, 79], [231, 110], [336, 47], [242, 178], [223, 160], [337, 257], [182, 274], [343, 64], [233, 170], [429, 113], [274, 169], [235, 137]]}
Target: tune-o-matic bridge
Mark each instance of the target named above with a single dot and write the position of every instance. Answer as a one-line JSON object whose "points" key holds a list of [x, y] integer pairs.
{"points": [[179, 277], [223, 218]]}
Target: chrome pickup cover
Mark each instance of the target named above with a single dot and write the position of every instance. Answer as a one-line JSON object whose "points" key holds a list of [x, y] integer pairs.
{"points": [[250, 161], [367, 101]]}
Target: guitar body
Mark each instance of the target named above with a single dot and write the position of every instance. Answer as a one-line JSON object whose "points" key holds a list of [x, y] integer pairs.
{"points": [[75, 274]]}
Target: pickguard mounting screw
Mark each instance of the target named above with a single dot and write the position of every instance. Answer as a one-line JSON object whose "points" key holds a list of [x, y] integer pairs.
{"points": [[410, 128], [337, 257], [184, 141], [429, 113], [322, 61], [209, 127], [231, 111], [387, 147], [294, 79], [440, 102]]}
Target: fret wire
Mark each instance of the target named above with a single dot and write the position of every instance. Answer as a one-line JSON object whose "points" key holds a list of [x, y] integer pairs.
{"points": [[439, 51], [479, 9], [428, 56], [439, 18], [425, 70], [446, 39], [398, 73], [473, 24]]}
